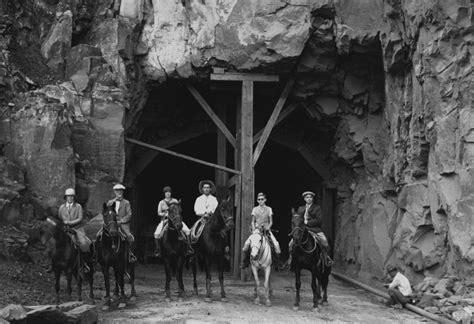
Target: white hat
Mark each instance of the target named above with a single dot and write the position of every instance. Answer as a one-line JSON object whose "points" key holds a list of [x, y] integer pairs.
{"points": [[119, 186], [306, 193], [69, 192]]}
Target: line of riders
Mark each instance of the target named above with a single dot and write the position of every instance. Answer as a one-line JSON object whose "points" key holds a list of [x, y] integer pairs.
{"points": [[262, 220]]}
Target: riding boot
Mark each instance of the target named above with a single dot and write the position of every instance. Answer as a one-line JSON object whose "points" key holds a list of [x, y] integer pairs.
{"points": [[131, 257], [245, 260], [329, 261], [157, 251]]}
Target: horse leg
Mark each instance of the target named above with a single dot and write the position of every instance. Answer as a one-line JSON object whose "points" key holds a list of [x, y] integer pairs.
{"points": [[116, 290], [267, 285], [179, 278], [79, 287], [57, 276], [315, 288], [324, 284], [69, 283], [133, 293], [297, 286], [105, 272], [168, 280], [257, 284], [221, 280], [119, 272], [91, 284], [194, 266], [207, 262]]}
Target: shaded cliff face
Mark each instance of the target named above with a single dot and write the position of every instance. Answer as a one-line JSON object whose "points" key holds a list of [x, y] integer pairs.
{"points": [[389, 81]]}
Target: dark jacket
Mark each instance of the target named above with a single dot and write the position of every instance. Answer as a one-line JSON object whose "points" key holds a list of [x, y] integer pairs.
{"points": [[315, 217]]}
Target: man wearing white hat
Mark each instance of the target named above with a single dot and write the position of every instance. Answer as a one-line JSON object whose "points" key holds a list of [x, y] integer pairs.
{"points": [[124, 216], [313, 220]]}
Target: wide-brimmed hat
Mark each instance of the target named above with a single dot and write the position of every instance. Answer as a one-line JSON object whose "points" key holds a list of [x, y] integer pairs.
{"points": [[69, 192], [304, 194], [119, 186], [209, 182], [167, 188]]}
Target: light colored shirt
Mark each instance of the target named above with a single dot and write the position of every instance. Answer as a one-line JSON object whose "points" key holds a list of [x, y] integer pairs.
{"points": [[402, 283], [205, 205], [163, 206], [117, 206], [306, 215], [262, 216]]}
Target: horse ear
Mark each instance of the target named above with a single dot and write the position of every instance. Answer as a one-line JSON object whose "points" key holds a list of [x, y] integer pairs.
{"points": [[179, 201], [104, 207], [292, 211], [228, 198]]}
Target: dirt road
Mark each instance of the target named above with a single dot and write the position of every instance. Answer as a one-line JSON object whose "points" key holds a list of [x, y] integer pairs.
{"points": [[346, 304]]}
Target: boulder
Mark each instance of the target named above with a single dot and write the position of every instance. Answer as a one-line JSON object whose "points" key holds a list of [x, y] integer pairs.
{"points": [[13, 313], [84, 314], [444, 286], [462, 316], [427, 300]]}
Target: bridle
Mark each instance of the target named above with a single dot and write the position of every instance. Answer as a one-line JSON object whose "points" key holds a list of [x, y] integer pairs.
{"points": [[171, 224], [304, 241], [107, 232], [227, 220]]}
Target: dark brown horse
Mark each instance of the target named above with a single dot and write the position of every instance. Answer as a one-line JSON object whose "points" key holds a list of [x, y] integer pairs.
{"points": [[210, 247], [307, 255], [173, 249], [66, 257], [112, 253]]}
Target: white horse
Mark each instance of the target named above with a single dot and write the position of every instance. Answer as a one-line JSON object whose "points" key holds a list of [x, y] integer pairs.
{"points": [[260, 258]]}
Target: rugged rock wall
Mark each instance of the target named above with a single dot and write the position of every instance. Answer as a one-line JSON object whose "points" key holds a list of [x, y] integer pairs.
{"points": [[393, 78]]}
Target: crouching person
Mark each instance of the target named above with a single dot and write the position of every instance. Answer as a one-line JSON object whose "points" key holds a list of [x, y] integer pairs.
{"points": [[399, 289]]}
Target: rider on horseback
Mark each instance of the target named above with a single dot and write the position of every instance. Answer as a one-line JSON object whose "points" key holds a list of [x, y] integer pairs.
{"points": [[313, 220], [124, 215], [163, 207], [71, 215], [262, 220]]}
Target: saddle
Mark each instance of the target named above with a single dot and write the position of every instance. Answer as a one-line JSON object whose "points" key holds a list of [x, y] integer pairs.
{"points": [[197, 228]]}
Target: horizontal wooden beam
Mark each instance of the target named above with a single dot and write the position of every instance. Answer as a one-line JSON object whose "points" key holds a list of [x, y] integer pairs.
{"points": [[183, 156], [230, 76], [169, 141], [272, 120], [222, 127], [285, 113]]}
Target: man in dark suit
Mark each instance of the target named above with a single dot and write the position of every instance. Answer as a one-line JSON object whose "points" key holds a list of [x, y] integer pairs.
{"points": [[313, 219]]}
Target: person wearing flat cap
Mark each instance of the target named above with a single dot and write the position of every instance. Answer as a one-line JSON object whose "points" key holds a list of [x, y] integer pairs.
{"points": [[399, 289], [124, 216], [313, 220]]}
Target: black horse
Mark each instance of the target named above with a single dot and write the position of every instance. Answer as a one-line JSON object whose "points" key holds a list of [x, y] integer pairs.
{"points": [[307, 255], [210, 246], [173, 249], [112, 252], [67, 258]]}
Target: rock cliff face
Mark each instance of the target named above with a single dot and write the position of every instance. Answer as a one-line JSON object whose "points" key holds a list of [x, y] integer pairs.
{"points": [[393, 78]]}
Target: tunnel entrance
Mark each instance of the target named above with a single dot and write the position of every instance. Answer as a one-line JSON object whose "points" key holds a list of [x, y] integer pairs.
{"points": [[174, 120]]}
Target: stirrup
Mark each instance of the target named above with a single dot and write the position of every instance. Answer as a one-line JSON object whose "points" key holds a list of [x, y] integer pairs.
{"points": [[132, 258], [85, 268]]}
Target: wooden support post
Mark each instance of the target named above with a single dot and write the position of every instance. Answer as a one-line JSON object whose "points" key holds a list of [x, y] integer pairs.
{"points": [[221, 176], [238, 199], [272, 120], [246, 158], [285, 113]]}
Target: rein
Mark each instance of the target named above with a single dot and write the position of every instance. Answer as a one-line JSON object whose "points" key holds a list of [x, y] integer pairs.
{"points": [[302, 244]]}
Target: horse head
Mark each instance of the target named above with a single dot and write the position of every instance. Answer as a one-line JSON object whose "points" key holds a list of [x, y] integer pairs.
{"points": [[256, 241], [174, 215], [226, 210], [110, 219], [298, 228]]}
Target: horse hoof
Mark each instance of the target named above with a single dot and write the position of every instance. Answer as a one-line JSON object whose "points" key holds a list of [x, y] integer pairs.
{"points": [[316, 309], [105, 308], [257, 301], [268, 303], [122, 305], [133, 298], [208, 300], [167, 299], [224, 300], [325, 303], [296, 308]]}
